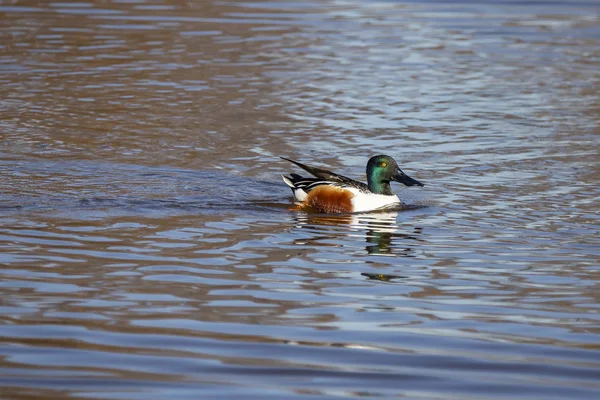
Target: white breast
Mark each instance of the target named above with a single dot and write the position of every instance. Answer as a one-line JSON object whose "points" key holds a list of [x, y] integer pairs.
{"points": [[363, 202]]}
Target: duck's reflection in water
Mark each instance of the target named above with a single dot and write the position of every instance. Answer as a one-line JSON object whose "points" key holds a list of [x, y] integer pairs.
{"points": [[383, 235]]}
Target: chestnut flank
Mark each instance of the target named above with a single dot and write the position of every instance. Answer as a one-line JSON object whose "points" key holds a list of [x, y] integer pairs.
{"points": [[330, 199]]}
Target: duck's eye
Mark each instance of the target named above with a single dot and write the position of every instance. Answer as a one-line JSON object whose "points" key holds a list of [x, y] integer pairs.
{"points": [[384, 164]]}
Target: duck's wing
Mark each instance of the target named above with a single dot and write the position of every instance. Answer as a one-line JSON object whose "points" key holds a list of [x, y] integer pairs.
{"points": [[329, 177]]}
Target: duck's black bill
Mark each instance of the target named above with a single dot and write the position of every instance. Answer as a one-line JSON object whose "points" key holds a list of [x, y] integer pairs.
{"points": [[407, 180]]}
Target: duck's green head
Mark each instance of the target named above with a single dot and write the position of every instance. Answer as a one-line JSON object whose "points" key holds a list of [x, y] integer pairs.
{"points": [[381, 170]]}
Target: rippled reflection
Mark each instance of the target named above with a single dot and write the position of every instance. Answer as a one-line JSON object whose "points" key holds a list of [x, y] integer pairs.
{"points": [[381, 232]]}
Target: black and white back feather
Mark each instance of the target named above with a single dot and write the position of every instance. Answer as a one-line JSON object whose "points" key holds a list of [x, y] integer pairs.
{"points": [[301, 186]]}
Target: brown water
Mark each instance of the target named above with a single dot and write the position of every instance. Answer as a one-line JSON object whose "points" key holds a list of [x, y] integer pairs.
{"points": [[147, 246]]}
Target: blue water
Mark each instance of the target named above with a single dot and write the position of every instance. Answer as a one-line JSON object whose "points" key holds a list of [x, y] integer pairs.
{"points": [[149, 249]]}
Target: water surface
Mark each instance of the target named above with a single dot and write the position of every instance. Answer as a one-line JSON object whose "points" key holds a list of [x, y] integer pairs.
{"points": [[147, 244]]}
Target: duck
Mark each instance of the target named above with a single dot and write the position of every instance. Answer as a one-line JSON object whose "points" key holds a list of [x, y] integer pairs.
{"points": [[333, 193]]}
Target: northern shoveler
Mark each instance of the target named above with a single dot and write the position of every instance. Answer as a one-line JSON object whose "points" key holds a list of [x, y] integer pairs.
{"points": [[329, 192]]}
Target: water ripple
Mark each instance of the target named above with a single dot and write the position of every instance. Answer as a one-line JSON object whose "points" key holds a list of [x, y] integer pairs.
{"points": [[148, 244]]}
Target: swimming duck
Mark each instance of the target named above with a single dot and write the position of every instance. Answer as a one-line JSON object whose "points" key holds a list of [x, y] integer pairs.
{"points": [[329, 192]]}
